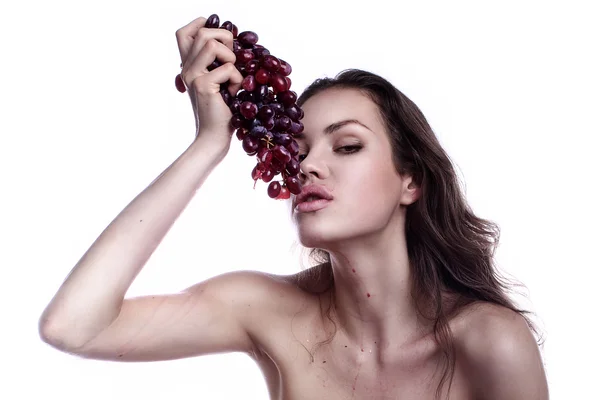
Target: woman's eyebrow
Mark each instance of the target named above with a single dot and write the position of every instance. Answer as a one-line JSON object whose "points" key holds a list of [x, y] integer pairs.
{"points": [[335, 127]]}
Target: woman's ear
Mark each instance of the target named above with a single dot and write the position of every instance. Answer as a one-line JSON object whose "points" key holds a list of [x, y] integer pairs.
{"points": [[410, 191]]}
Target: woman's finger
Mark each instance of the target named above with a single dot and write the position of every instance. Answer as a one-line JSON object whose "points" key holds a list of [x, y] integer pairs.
{"points": [[212, 50], [186, 35], [207, 34], [191, 42]]}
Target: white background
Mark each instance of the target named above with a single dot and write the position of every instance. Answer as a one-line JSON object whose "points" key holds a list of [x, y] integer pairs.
{"points": [[90, 116]]}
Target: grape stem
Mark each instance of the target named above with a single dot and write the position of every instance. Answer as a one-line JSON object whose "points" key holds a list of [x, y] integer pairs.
{"points": [[268, 142]]}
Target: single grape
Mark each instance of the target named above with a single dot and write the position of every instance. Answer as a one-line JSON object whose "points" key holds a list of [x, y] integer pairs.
{"points": [[250, 145], [293, 148], [292, 167], [258, 131], [260, 52], [278, 83], [235, 106], [293, 184], [227, 25], [284, 194], [271, 63], [282, 154], [243, 56], [283, 124], [277, 108], [268, 175], [248, 110], [252, 66], [287, 98], [261, 91], [237, 121], [270, 124], [179, 83], [241, 133], [234, 31], [256, 172], [283, 139], [286, 69], [288, 81], [265, 113], [274, 189], [297, 127], [262, 76], [247, 38], [212, 21], [249, 83], [265, 156], [293, 112]]}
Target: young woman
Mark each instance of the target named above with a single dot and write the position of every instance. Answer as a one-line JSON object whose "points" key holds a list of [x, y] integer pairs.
{"points": [[404, 303]]}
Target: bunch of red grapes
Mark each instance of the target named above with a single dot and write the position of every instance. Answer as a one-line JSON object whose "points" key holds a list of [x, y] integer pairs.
{"points": [[265, 114]]}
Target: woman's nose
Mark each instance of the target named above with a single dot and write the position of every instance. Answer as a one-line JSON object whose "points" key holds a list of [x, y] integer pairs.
{"points": [[311, 165]]}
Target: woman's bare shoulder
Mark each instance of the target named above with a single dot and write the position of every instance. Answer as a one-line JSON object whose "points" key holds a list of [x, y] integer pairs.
{"points": [[480, 315], [495, 345], [277, 292]]}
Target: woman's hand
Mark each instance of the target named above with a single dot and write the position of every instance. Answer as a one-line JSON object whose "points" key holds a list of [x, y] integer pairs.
{"points": [[199, 47]]}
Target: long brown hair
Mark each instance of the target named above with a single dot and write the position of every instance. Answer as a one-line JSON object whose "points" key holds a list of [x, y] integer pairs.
{"points": [[450, 249]]}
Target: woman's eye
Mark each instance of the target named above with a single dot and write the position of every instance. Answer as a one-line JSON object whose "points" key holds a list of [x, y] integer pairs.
{"points": [[344, 149], [350, 149]]}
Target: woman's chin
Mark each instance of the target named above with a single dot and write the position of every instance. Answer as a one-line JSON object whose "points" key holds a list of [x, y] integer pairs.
{"points": [[312, 238]]}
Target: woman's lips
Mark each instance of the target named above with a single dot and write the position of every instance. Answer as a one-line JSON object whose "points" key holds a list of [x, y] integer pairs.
{"points": [[309, 206]]}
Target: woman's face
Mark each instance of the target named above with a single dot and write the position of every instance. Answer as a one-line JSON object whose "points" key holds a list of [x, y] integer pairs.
{"points": [[353, 161]]}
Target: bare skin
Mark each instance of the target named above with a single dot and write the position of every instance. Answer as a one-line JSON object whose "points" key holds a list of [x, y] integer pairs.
{"points": [[297, 369], [376, 345]]}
